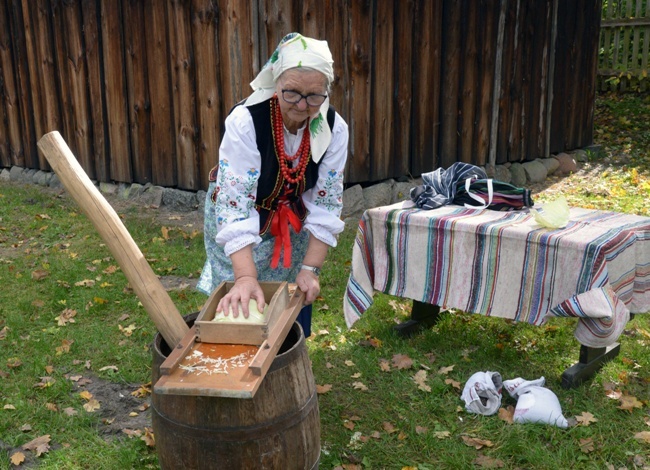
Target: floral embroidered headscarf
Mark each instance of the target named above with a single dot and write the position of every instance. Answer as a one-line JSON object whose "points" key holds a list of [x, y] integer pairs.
{"points": [[296, 50]]}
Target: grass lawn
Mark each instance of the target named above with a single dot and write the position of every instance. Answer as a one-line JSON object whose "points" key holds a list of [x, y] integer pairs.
{"points": [[75, 344]]}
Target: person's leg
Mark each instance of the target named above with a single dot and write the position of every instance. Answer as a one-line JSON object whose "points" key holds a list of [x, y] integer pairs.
{"points": [[304, 318]]}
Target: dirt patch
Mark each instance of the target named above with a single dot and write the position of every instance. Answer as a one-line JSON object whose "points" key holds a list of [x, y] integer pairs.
{"points": [[122, 408]]}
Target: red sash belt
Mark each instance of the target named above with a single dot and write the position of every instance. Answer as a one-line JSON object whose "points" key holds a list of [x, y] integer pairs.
{"points": [[282, 218]]}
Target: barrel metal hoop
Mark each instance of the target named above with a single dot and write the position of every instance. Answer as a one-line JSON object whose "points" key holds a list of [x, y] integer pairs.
{"points": [[243, 433]]}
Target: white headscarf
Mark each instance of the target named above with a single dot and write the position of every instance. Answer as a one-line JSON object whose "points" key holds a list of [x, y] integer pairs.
{"points": [[296, 50]]}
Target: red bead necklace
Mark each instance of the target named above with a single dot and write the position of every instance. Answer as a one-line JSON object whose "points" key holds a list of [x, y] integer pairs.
{"points": [[290, 174]]}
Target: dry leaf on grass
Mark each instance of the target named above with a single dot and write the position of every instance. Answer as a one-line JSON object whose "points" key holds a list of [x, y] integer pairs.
{"points": [[388, 427], [476, 442], [384, 365], [628, 403], [441, 434], [453, 383], [402, 361], [17, 458], [485, 461], [586, 418], [446, 370], [420, 378], [39, 445], [507, 414], [320, 389], [360, 386], [643, 436], [586, 445]]}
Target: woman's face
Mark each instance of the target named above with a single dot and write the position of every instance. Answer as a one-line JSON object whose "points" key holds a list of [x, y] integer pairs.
{"points": [[305, 82]]}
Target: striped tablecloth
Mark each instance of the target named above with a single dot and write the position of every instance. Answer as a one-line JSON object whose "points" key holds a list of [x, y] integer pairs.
{"points": [[504, 264]]}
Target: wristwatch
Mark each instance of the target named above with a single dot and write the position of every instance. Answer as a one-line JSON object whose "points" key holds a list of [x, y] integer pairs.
{"points": [[313, 269]]}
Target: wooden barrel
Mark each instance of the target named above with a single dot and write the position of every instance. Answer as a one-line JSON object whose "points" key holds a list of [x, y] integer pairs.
{"points": [[277, 429]]}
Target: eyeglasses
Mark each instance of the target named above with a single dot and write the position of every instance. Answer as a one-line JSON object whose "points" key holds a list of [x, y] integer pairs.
{"points": [[293, 97]]}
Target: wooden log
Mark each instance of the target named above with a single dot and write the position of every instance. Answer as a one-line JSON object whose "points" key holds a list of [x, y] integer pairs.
{"points": [[141, 277]]}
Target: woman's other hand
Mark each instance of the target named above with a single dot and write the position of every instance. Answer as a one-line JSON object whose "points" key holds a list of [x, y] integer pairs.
{"points": [[308, 282], [245, 289]]}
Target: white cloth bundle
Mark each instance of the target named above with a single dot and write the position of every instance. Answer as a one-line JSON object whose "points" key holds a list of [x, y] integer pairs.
{"points": [[535, 403], [482, 393]]}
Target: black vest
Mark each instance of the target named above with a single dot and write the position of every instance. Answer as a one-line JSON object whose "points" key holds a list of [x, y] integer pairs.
{"points": [[271, 183]]}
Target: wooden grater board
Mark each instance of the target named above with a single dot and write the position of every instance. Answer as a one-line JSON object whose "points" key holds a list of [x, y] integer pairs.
{"points": [[189, 369]]}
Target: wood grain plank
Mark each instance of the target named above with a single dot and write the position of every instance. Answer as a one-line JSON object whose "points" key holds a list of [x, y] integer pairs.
{"points": [[115, 92], [12, 146], [163, 141], [184, 91], [449, 100], [138, 101]]}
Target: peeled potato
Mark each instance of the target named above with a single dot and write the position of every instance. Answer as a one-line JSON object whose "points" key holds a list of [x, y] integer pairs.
{"points": [[254, 315], [554, 214]]}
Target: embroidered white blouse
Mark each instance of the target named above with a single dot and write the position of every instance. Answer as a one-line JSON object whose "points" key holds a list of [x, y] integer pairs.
{"points": [[238, 222]]}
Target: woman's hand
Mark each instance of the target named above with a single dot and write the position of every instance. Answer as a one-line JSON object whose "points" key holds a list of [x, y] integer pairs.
{"points": [[245, 289], [308, 282]]}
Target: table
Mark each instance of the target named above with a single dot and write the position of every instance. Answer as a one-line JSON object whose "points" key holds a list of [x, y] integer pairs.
{"points": [[504, 264]]}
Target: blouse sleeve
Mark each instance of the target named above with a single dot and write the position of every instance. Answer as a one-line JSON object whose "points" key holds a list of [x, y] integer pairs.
{"points": [[236, 186], [324, 201]]}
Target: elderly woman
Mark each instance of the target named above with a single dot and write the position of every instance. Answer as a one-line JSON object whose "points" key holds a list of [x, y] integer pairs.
{"points": [[275, 198]]}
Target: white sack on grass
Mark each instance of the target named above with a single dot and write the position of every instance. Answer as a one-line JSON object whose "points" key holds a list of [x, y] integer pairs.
{"points": [[535, 404], [482, 393]]}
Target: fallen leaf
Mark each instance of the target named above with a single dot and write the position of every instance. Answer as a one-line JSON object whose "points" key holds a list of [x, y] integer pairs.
{"points": [[586, 445], [17, 458], [148, 437], [349, 425], [420, 379], [51, 407], [112, 368], [69, 411], [628, 403], [65, 346], [349, 363], [356, 376], [401, 361], [66, 316], [485, 461], [476, 442], [420, 430], [441, 434], [128, 331], [586, 418], [14, 362], [143, 391], [85, 283], [45, 382], [388, 427], [86, 395], [39, 445], [3, 333], [384, 365], [92, 405], [39, 274], [446, 370], [507, 414], [643, 436], [132, 432], [9, 407], [360, 386], [26, 428], [453, 383], [320, 389]]}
